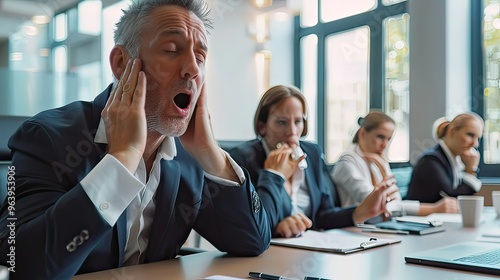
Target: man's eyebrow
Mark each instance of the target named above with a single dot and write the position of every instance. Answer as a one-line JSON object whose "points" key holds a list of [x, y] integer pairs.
{"points": [[172, 31], [182, 33]]}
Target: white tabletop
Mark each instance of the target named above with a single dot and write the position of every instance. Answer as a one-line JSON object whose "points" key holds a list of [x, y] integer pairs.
{"points": [[379, 263]]}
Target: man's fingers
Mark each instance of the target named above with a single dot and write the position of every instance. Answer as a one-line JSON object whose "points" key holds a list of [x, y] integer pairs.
{"points": [[130, 86], [139, 96], [116, 88], [117, 97]]}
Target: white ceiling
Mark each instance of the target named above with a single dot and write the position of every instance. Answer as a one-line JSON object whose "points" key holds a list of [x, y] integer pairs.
{"points": [[13, 13]]}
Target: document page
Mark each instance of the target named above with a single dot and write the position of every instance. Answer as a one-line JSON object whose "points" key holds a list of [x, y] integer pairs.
{"points": [[334, 241]]}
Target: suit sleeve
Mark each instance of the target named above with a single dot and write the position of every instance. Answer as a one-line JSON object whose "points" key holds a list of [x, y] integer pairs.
{"points": [[233, 219], [274, 197], [269, 186], [53, 220], [330, 215], [430, 175]]}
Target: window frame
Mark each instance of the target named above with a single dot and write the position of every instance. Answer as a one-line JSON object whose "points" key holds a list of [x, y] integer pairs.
{"points": [[374, 19], [477, 79]]}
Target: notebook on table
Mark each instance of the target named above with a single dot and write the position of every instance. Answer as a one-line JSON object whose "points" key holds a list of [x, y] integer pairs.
{"points": [[469, 256], [333, 241], [411, 227]]}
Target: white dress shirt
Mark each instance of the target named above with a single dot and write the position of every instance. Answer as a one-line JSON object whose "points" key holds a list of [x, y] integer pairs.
{"points": [[352, 177], [301, 201], [113, 189]]}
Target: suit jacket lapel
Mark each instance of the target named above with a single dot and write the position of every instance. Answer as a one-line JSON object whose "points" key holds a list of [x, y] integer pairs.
{"points": [[165, 203], [121, 228], [313, 187]]}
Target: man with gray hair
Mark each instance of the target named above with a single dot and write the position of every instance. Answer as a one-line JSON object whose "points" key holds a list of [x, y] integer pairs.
{"points": [[123, 179]]}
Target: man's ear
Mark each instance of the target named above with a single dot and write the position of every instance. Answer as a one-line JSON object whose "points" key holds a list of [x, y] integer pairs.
{"points": [[118, 58]]}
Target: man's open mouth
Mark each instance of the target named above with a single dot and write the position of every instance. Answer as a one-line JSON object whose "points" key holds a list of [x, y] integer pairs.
{"points": [[182, 100]]}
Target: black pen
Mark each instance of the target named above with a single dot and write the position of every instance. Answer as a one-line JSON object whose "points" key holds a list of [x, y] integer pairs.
{"points": [[264, 276], [314, 278], [443, 194]]}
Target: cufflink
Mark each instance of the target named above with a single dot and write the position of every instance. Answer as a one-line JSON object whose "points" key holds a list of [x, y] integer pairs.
{"points": [[255, 202], [78, 240]]}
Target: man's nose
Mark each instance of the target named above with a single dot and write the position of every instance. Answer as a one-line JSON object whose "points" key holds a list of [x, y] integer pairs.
{"points": [[190, 68]]}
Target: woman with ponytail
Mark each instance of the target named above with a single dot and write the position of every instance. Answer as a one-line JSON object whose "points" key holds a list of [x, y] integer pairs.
{"points": [[364, 167], [449, 168]]}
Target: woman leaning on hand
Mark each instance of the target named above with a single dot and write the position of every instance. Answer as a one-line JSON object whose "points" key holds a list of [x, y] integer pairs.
{"points": [[450, 167]]}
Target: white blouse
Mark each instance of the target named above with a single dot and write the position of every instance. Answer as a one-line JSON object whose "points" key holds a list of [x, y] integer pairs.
{"points": [[352, 177]]}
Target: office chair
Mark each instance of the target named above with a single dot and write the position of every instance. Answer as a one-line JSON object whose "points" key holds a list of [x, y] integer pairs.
{"points": [[8, 125]]}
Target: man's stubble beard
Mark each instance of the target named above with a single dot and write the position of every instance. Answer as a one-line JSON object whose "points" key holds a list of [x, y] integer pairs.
{"points": [[168, 126]]}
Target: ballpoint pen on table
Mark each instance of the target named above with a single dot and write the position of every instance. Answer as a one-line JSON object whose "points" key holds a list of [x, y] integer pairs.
{"points": [[381, 230], [265, 276]]}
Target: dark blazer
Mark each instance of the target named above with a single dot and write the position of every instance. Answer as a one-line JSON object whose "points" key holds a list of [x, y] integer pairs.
{"points": [[431, 174], [325, 215], [55, 150]]}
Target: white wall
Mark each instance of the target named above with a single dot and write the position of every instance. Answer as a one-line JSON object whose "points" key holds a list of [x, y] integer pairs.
{"points": [[231, 70], [439, 66]]}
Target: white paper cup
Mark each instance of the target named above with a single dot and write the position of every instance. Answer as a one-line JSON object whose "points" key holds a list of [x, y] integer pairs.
{"points": [[471, 208], [495, 199]]}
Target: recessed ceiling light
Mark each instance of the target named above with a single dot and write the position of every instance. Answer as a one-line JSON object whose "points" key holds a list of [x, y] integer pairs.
{"points": [[40, 19]]}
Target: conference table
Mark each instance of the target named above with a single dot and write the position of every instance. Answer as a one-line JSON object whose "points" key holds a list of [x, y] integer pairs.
{"points": [[386, 262]]}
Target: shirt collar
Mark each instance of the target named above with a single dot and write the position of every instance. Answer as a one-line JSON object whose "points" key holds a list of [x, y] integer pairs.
{"points": [[456, 163], [166, 151]]}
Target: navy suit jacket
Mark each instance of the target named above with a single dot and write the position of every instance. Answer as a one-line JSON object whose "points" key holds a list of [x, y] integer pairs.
{"points": [[324, 214], [431, 174], [53, 151]]}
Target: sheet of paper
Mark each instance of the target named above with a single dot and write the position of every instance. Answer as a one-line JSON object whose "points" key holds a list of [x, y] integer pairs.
{"points": [[333, 241], [490, 235], [443, 217], [222, 277]]}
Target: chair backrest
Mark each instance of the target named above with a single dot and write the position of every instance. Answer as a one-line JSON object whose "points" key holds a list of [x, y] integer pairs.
{"points": [[8, 125], [403, 177], [227, 145]]}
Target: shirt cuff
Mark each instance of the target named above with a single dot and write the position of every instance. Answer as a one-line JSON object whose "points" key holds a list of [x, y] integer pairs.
{"points": [[405, 207], [277, 173], [237, 169], [410, 207], [472, 181], [111, 187]]}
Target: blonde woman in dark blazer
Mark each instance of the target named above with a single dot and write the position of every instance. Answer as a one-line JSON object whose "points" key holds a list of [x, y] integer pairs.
{"points": [[451, 166]]}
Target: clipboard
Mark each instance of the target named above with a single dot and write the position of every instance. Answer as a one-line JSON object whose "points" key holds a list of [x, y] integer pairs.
{"points": [[333, 241]]}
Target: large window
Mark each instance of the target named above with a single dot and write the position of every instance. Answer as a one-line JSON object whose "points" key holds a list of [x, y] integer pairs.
{"points": [[362, 64], [486, 80], [347, 96]]}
